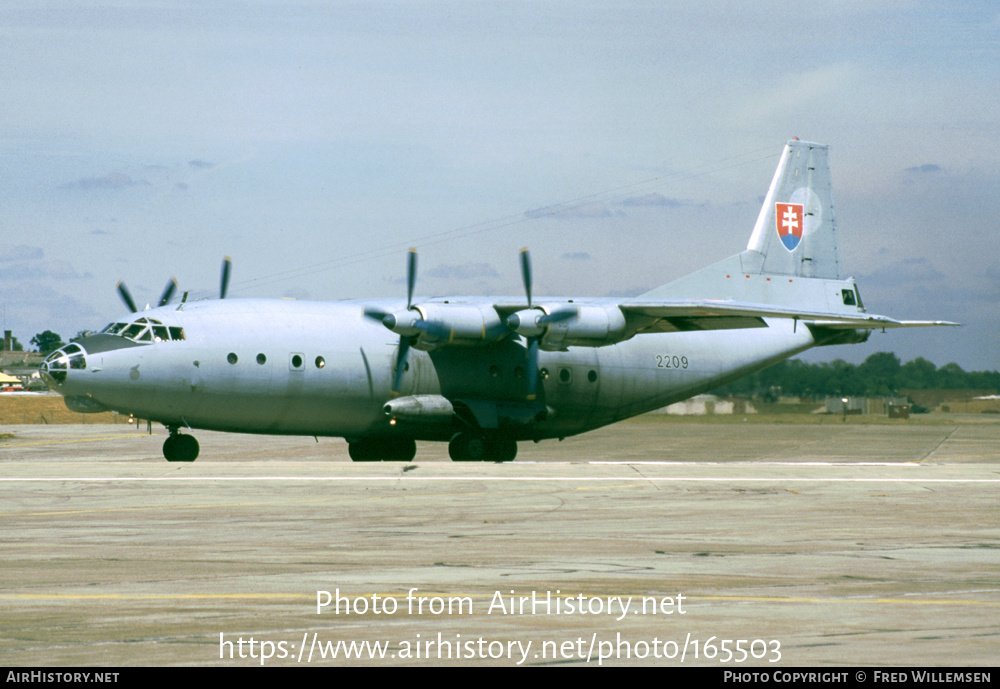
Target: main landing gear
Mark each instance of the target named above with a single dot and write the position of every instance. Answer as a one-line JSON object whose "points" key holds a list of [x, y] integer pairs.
{"points": [[180, 448], [383, 450], [467, 446], [475, 446]]}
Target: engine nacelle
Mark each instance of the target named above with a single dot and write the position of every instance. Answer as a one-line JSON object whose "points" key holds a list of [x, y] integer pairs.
{"points": [[457, 324], [420, 408], [593, 326]]}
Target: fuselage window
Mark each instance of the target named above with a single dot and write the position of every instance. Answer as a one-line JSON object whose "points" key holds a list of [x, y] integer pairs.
{"points": [[848, 295], [296, 362], [160, 333], [320, 362], [565, 375], [232, 358], [261, 359]]}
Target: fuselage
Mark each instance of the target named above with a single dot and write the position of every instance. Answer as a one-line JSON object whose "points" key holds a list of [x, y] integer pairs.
{"points": [[323, 368], [481, 373]]}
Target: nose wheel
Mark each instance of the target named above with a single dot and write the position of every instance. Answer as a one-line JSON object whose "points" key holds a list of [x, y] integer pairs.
{"points": [[180, 448]]}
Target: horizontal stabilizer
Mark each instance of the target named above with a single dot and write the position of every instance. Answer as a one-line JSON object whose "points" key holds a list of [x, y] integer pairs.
{"points": [[879, 323]]}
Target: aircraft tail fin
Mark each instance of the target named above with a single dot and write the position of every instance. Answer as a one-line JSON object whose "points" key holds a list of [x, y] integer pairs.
{"points": [[794, 238], [796, 233]]}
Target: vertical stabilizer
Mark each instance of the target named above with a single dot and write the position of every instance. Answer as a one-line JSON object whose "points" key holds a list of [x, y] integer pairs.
{"points": [[796, 233]]}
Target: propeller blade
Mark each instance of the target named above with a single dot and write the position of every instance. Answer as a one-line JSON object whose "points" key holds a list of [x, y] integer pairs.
{"points": [[397, 379], [126, 297], [168, 292], [532, 371], [411, 277], [526, 273], [227, 264], [558, 316], [375, 314]]}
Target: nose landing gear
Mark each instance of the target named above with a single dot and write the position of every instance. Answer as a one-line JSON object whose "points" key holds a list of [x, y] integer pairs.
{"points": [[180, 448]]}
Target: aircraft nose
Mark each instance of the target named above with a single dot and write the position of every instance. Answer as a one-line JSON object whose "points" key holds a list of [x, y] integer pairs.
{"points": [[58, 364]]}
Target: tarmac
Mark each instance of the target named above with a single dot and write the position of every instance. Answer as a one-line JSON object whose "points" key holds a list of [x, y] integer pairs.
{"points": [[651, 542]]}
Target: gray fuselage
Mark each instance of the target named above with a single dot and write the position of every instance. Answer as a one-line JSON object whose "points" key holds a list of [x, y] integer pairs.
{"points": [[322, 368]]}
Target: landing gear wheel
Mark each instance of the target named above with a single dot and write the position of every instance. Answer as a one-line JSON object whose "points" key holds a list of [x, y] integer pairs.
{"points": [[469, 446], [503, 449], [383, 450], [180, 448]]}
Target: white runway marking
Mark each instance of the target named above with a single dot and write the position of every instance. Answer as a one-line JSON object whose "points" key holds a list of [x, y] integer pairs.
{"points": [[546, 479]]}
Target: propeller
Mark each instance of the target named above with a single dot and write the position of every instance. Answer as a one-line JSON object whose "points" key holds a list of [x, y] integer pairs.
{"points": [[126, 296], [390, 321], [168, 291], [227, 266], [533, 327]]}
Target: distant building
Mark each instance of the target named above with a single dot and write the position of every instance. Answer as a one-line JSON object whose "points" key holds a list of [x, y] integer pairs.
{"points": [[709, 404], [10, 383], [894, 407], [932, 399]]}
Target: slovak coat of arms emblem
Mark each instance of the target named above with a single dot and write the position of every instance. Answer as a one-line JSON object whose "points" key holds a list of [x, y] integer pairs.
{"points": [[789, 218]]}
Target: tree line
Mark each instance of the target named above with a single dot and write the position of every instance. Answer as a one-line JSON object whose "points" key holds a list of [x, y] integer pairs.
{"points": [[44, 343], [881, 374]]}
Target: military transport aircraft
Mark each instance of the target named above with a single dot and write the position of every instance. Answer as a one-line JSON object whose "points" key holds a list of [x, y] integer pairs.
{"points": [[479, 373]]}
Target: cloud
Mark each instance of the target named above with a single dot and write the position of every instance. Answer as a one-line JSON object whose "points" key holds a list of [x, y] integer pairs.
{"points": [[598, 209], [35, 306], [298, 293], [586, 210], [22, 262], [463, 271], [653, 199], [21, 252], [576, 256], [111, 181], [924, 169], [909, 271], [201, 164]]}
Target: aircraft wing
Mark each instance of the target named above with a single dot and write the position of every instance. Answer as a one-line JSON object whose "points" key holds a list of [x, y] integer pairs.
{"points": [[688, 315]]}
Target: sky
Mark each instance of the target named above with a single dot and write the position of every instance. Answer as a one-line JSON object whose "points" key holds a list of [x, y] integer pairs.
{"points": [[625, 143]]}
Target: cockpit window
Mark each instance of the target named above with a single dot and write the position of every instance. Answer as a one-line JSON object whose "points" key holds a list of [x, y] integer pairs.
{"points": [[134, 331], [145, 330], [58, 362]]}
